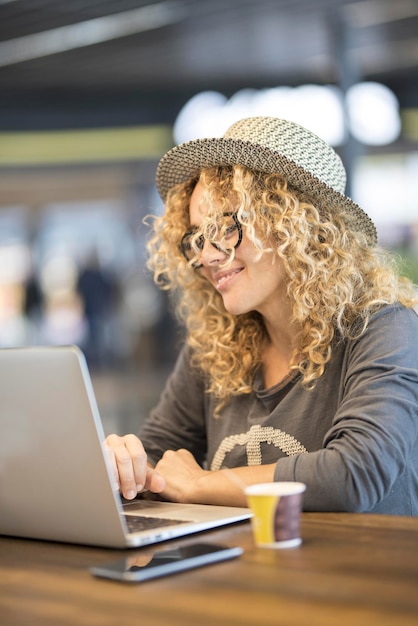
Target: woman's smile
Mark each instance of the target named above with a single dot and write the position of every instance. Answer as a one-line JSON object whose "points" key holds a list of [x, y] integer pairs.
{"points": [[222, 279]]}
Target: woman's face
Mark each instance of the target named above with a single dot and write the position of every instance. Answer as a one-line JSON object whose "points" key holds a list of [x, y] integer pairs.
{"points": [[248, 283]]}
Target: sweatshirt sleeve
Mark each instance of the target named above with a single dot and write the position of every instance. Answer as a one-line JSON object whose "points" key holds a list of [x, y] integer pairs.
{"points": [[372, 442], [178, 419]]}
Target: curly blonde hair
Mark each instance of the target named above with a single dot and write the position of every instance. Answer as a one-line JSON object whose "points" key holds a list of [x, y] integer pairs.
{"points": [[335, 280]]}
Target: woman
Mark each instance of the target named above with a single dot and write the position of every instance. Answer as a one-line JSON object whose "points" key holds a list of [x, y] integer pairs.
{"points": [[300, 360]]}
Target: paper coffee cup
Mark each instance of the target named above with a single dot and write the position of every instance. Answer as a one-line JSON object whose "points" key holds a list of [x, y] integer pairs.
{"points": [[276, 509]]}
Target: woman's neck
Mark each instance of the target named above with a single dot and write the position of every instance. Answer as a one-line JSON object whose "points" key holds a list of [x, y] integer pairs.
{"points": [[278, 352]]}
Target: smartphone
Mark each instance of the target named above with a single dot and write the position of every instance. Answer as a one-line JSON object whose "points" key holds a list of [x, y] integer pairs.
{"points": [[144, 566]]}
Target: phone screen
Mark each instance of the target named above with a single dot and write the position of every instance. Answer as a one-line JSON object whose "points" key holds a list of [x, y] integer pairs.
{"points": [[143, 566]]}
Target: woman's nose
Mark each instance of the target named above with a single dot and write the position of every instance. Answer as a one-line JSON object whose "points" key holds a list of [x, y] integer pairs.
{"points": [[211, 254]]}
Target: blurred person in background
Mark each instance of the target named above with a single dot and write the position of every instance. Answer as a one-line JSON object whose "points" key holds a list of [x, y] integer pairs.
{"points": [[300, 358], [98, 291]]}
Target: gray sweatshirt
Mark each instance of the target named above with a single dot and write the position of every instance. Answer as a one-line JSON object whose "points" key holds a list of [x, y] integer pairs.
{"points": [[353, 440]]}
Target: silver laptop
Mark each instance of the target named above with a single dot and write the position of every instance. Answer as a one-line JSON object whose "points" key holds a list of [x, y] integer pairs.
{"points": [[55, 478]]}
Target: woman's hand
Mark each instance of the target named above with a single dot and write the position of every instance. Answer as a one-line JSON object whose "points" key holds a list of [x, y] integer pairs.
{"points": [[178, 477], [182, 475], [131, 470], [187, 482]]}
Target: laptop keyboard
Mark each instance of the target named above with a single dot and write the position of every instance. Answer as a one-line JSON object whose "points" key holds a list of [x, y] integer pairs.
{"points": [[137, 523]]}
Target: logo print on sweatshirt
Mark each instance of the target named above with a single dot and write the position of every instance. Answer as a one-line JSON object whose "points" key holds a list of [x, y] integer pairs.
{"points": [[252, 441]]}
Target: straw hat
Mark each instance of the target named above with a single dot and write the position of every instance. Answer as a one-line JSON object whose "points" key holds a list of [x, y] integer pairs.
{"points": [[270, 145]]}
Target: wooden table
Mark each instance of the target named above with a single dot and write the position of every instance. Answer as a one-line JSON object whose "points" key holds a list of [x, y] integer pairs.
{"points": [[351, 569]]}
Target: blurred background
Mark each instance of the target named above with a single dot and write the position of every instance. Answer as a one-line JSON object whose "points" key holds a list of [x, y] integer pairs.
{"points": [[93, 92]]}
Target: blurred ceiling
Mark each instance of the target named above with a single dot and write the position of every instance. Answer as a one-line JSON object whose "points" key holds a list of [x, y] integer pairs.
{"points": [[80, 63]]}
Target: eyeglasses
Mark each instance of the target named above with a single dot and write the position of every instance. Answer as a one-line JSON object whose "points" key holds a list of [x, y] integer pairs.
{"points": [[227, 237]]}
